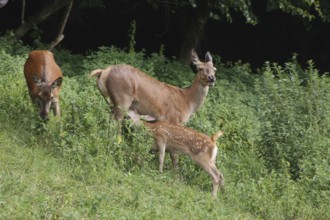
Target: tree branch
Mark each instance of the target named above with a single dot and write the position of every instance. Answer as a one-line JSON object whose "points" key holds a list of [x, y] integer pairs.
{"points": [[60, 35], [40, 16]]}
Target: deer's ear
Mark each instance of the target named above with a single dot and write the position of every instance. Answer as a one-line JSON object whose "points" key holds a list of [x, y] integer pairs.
{"points": [[194, 58], [148, 118], [195, 62], [37, 80], [208, 57], [57, 82]]}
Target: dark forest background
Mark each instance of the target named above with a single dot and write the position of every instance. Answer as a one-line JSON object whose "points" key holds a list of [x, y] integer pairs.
{"points": [[276, 36]]}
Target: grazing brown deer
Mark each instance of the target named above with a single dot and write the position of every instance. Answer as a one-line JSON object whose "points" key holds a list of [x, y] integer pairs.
{"points": [[176, 138], [44, 78], [129, 88]]}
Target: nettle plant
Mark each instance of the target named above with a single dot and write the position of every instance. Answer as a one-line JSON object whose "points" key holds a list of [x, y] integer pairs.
{"points": [[293, 108]]}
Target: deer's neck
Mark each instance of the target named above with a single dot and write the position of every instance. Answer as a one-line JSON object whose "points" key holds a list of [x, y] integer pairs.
{"points": [[196, 95]]}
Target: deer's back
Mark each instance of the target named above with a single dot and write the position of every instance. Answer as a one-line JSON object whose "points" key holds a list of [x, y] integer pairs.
{"points": [[42, 64], [150, 96], [182, 139]]}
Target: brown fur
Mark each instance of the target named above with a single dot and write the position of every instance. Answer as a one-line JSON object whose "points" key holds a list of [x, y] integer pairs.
{"points": [[44, 78], [130, 88], [176, 138], [182, 140]]}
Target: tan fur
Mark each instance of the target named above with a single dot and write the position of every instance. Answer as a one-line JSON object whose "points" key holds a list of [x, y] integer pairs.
{"points": [[216, 136], [129, 88], [44, 78], [176, 138], [182, 140]]}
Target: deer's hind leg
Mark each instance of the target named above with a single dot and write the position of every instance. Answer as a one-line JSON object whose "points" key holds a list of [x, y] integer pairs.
{"points": [[210, 168], [121, 105]]}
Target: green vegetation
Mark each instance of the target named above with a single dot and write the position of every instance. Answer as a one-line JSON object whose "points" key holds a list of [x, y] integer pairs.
{"points": [[274, 154]]}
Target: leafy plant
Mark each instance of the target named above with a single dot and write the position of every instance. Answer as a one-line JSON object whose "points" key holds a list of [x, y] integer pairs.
{"points": [[293, 116]]}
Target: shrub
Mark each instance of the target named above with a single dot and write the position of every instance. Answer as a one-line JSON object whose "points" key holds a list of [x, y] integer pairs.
{"points": [[10, 45], [106, 56], [295, 116]]}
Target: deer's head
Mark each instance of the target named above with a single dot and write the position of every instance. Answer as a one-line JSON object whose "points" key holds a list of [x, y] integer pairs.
{"points": [[205, 70]]}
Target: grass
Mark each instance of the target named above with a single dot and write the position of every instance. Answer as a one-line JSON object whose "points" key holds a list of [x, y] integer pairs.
{"points": [[36, 184], [75, 167]]}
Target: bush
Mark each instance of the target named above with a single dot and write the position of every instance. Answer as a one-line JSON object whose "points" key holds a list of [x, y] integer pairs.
{"points": [[295, 117], [10, 45]]}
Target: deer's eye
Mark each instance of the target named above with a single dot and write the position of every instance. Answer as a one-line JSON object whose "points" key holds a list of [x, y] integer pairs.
{"points": [[201, 69]]}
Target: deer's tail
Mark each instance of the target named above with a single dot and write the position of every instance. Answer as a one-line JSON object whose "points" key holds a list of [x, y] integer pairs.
{"points": [[97, 73], [216, 136]]}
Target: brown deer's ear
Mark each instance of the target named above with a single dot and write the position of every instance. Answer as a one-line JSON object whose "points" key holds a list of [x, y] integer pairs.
{"points": [[208, 57], [37, 80], [57, 82]]}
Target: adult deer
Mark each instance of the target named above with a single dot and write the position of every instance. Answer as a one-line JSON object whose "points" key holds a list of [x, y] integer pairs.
{"points": [[130, 88], [44, 78]]}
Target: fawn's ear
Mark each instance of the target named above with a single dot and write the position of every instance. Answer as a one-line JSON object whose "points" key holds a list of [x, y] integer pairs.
{"points": [[148, 118], [134, 116]]}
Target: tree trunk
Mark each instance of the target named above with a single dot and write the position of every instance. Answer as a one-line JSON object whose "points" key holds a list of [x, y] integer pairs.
{"points": [[195, 29], [23, 12], [60, 35], [40, 16]]}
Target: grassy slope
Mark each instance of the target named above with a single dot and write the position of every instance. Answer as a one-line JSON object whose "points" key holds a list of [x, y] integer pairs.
{"points": [[39, 180], [37, 184], [75, 169]]}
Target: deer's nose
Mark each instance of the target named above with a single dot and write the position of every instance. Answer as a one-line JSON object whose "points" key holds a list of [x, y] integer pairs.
{"points": [[44, 115], [210, 78]]}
